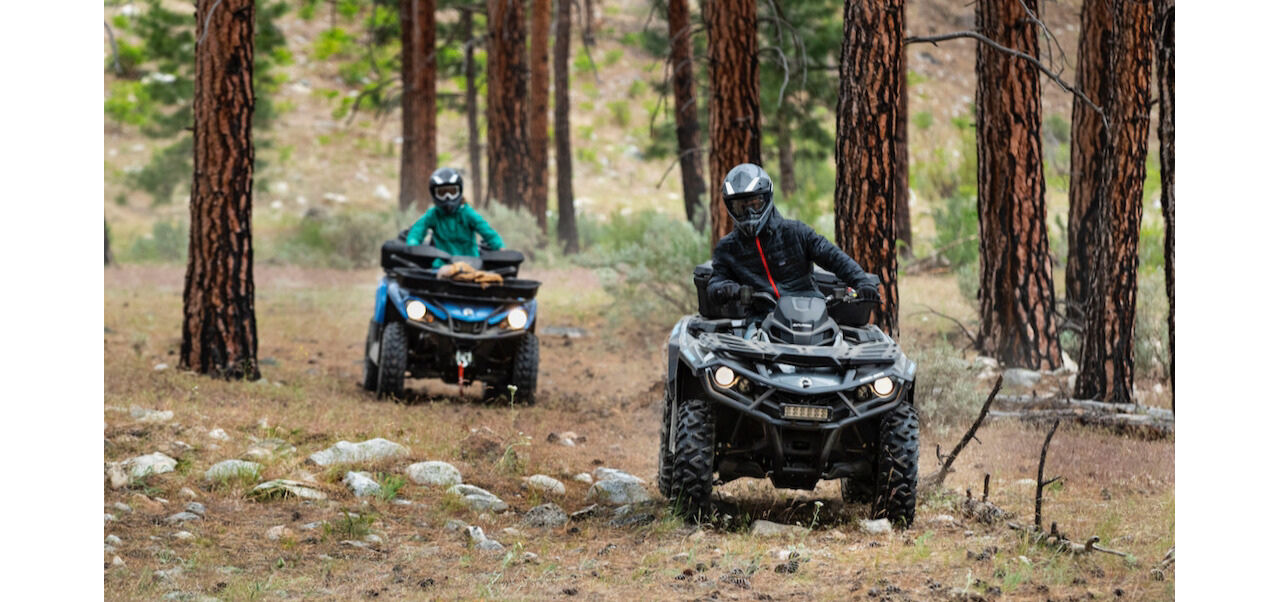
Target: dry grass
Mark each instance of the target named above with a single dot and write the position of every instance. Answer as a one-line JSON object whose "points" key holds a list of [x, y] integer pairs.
{"points": [[606, 387]]}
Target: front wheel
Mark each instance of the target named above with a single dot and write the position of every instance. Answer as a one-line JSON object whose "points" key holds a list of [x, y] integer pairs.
{"points": [[393, 355], [693, 462], [896, 466], [370, 382], [524, 369]]}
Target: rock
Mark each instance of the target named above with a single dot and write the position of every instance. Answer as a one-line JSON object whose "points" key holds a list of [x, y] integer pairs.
{"points": [[150, 416], [172, 573], [481, 444], [585, 513], [681, 557], [161, 367], [618, 491], [195, 508], [454, 525], [628, 516], [545, 484], [123, 507], [278, 531], [371, 538], [311, 526], [113, 540], [108, 517], [188, 493], [583, 477], [546, 516], [529, 557], [983, 362], [477, 499], [182, 517], [156, 463], [606, 474], [513, 532], [1021, 378], [234, 469], [115, 475], [219, 435], [116, 561], [373, 450], [764, 528], [285, 488], [879, 526], [567, 438], [434, 473], [183, 535], [362, 484]]}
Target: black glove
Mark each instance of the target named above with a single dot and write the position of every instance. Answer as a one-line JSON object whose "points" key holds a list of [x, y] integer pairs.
{"points": [[869, 292], [727, 292], [744, 294]]}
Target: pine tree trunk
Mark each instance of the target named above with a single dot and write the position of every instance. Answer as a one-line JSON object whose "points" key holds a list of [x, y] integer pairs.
{"points": [[735, 96], [567, 225], [508, 105], [219, 329], [692, 180], [473, 121], [902, 195], [1164, 69], [1106, 364], [417, 101], [786, 153], [1016, 297], [1086, 134], [866, 153], [540, 81]]}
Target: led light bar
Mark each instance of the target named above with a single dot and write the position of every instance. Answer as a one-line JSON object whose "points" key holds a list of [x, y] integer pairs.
{"points": [[819, 413]]}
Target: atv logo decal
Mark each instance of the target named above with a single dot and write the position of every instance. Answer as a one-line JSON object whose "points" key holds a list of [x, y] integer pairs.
{"points": [[806, 382]]}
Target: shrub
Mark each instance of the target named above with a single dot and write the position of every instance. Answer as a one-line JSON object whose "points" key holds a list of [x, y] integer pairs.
{"points": [[947, 391], [518, 228], [350, 239], [1151, 326], [646, 262], [956, 223], [167, 242]]}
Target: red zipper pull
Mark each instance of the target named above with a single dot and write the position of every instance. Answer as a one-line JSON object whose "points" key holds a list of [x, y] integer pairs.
{"points": [[766, 269]]}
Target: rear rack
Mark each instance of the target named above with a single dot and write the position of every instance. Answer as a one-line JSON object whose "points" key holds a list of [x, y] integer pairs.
{"points": [[418, 279]]}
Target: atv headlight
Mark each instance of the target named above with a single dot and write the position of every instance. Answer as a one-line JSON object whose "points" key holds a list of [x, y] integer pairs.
{"points": [[724, 377], [883, 386], [415, 309], [517, 319]]}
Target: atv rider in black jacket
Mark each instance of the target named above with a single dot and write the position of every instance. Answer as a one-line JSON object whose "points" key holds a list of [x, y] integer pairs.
{"points": [[768, 253]]}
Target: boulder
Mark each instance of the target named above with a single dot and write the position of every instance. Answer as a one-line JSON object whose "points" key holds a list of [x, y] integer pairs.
{"points": [[361, 484], [156, 463], [434, 473]]}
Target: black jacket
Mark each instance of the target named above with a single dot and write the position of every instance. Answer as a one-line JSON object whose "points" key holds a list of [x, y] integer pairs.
{"points": [[791, 248]]}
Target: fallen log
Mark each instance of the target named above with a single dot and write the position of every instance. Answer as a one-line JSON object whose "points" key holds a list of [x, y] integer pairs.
{"points": [[1146, 426]]}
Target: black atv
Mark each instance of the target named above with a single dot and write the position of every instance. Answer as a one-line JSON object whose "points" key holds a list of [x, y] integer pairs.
{"points": [[459, 332], [795, 389]]}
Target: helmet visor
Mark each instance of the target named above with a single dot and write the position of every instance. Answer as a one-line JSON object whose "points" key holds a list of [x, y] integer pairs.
{"points": [[447, 192], [744, 207]]}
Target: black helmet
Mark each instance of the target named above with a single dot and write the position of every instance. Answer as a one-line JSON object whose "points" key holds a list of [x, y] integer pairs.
{"points": [[446, 189], [748, 194]]}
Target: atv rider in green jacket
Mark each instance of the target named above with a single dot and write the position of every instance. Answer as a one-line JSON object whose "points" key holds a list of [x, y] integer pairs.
{"points": [[452, 222]]}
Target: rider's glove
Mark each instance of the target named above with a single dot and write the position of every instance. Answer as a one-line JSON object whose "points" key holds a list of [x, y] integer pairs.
{"points": [[727, 292], [744, 294], [869, 292]]}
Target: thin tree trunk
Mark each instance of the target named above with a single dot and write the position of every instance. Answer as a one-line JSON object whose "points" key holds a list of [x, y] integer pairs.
{"points": [[1016, 297], [866, 153], [902, 195], [692, 180], [473, 121], [588, 23], [417, 101], [1106, 365], [219, 329], [786, 154], [735, 95], [1164, 69], [106, 238], [540, 81], [1086, 135], [567, 225], [508, 105]]}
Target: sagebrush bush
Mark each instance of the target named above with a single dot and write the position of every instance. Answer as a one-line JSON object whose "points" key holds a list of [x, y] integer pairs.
{"points": [[167, 242], [518, 228], [947, 391], [1151, 326], [348, 239], [645, 261]]}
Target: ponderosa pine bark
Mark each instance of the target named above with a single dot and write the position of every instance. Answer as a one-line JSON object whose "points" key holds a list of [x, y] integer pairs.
{"points": [[1016, 297], [1092, 59], [508, 105], [786, 152], [1106, 364], [567, 224], [902, 195], [219, 328], [473, 122], [866, 141], [417, 101], [540, 82], [692, 180], [1164, 77], [735, 96]]}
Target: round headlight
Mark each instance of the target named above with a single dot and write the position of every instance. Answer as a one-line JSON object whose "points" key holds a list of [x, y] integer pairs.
{"points": [[724, 376], [883, 386], [517, 319], [415, 309]]}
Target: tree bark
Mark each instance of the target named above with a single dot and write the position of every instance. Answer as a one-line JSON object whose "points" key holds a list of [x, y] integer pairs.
{"points": [[786, 153], [473, 122], [866, 141], [1016, 296], [417, 101], [588, 23], [735, 96], [540, 80], [567, 224], [1092, 62], [508, 105], [902, 195], [692, 180], [1106, 365], [1164, 70], [219, 329]]}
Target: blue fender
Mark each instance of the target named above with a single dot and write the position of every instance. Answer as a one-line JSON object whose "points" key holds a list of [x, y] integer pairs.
{"points": [[388, 292]]}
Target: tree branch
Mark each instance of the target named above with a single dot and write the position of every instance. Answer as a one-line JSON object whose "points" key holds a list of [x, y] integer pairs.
{"points": [[936, 479], [115, 52], [1040, 482]]}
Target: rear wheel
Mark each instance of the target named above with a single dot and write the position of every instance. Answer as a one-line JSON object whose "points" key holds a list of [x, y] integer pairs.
{"points": [[896, 466], [693, 462], [524, 369], [370, 382], [393, 354]]}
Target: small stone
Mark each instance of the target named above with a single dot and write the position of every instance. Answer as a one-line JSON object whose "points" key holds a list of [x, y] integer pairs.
{"points": [[617, 491], [372, 538], [588, 512], [455, 525], [373, 450], [150, 416], [478, 499], [116, 561], [434, 473], [285, 488], [362, 484], [1025, 482], [161, 367], [195, 508], [313, 525], [113, 540], [123, 507], [546, 516], [382, 193], [529, 557], [607, 474], [108, 517], [681, 557], [764, 528], [219, 435], [513, 532], [150, 464], [279, 531], [116, 475], [188, 493], [234, 469], [879, 526], [267, 449], [583, 477], [182, 517], [183, 535], [545, 484]]}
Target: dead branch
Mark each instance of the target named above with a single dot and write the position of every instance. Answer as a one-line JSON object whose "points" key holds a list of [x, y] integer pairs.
{"points": [[936, 479], [982, 511], [1146, 426], [934, 258], [115, 51], [1040, 482], [1106, 124], [1059, 542], [676, 162], [973, 340]]}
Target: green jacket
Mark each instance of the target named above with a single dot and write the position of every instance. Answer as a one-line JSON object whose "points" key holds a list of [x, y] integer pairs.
{"points": [[454, 234]]}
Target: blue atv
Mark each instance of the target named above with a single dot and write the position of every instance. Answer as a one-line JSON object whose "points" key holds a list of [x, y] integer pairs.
{"points": [[424, 326]]}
